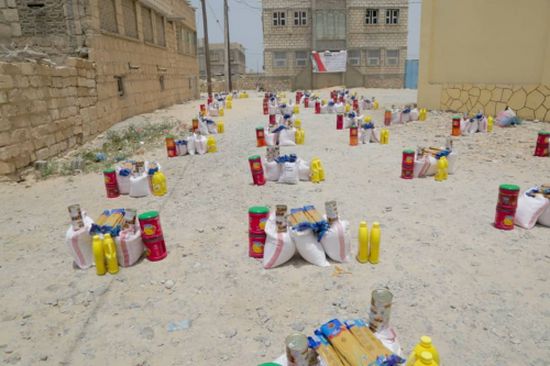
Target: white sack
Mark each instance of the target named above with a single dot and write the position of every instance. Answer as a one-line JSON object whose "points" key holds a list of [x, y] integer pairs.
{"points": [[544, 218], [123, 182], [200, 144], [139, 185], [129, 246], [279, 247], [191, 144], [79, 243], [309, 248], [287, 137], [303, 170], [272, 171], [529, 210], [337, 241], [289, 173]]}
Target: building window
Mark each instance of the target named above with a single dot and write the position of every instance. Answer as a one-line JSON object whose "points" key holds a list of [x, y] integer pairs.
{"points": [[372, 16], [330, 24], [159, 23], [392, 57], [120, 85], [354, 57], [130, 21], [392, 16], [161, 82], [107, 16], [300, 18], [147, 21], [179, 38], [373, 57], [279, 18], [301, 58], [279, 59]]}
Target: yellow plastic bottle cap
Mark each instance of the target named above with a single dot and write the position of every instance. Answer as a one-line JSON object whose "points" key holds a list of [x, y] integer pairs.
{"points": [[368, 118], [426, 340], [107, 236], [363, 224], [426, 358], [375, 224]]}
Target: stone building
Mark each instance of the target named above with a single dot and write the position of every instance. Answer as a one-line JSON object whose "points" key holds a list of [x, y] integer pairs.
{"points": [[374, 33], [217, 59], [112, 59]]}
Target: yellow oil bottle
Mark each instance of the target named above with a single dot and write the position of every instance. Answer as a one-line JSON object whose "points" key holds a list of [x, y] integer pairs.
{"points": [[363, 252], [367, 119], [316, 164], [315, 174], [220, 126], [490, 123], [384, 136], [347, 108], [211, 145], [221, 112], [375, 105], [296, 109], [375, 236], [425, 358], [158, 184], [425, 345], [298, 123], [228, 104], [442, 167], [300, 136], [110, 253], [99, 255], [229, 98]]}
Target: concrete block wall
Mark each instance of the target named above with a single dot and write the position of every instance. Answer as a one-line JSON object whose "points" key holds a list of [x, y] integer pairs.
{"points": [[45, 110]]}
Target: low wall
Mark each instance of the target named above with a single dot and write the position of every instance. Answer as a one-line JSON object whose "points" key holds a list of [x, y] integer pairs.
{"points": [[528, 101], [250, 82], [42, 110]]}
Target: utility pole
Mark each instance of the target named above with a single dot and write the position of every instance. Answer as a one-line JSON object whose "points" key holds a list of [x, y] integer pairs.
{"points": [[206, 49], [227, 47]]}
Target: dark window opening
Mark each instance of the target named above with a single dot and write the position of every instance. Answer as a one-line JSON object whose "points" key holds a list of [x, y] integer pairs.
{"points": [[35, 5], [161, 80], [120, 85]]}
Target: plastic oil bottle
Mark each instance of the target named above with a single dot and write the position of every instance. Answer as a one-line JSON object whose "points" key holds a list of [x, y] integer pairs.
{"points": [[158, 184], [110, 253], [375, 234], [211, 146], [425, 358], [490, 122], [363, 254], [425, 345], [99, 255]]}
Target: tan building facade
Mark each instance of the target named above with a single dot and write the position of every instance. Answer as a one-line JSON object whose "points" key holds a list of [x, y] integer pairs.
{"points": [[217, 59], [115, 59], [479, 55], [374, 33]]}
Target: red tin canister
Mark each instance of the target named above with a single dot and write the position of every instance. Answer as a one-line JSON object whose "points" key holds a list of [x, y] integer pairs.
{"points": [[111, 184], [209, 100], [260, 137], [504, 218], [151, 234], [317, 107], [339, 121], [387, 118], [306, 102], [203, 109], [171, 147], [257, 218], [508, 196], [195, 124], [265, 106], [542, 144], [257, 170], [256, 243], [353, 136], [272, 119], [355, 105], [407, 164], [341, 99], [298, 97], [456, 126]]}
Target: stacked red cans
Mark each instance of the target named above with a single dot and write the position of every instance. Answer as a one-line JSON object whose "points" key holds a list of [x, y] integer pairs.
{"points": [[387, 118], [260, 137], [265, 106], [317, 107], [506, 206], [111, 183], [456, 126], [407, 164], [298, 97], [257, 219], [257, 170], [171, 147], [306, 102], [151, 234], [542, 144], [339, 121]]}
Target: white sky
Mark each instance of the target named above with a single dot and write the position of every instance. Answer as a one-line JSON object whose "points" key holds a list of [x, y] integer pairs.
{"points": [[245, 27]]}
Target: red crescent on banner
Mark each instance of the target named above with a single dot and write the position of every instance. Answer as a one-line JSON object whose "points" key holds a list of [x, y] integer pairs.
{"points": [[319, 62]]}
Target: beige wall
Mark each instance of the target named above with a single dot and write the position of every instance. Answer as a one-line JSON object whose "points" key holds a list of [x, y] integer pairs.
{"points": [[486, 54]]}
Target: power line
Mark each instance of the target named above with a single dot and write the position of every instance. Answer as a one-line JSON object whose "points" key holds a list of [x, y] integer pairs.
{"points": [[248, 5], [215, 16]]}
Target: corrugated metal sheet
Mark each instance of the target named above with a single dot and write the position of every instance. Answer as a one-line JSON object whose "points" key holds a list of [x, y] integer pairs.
{"points": [[411, 74]]}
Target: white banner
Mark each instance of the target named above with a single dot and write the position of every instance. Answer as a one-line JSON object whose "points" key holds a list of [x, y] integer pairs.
{"points": [[328, 61]]}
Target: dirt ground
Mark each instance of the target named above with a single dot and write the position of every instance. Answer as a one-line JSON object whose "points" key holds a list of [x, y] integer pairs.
{"points": [[481, 293]]}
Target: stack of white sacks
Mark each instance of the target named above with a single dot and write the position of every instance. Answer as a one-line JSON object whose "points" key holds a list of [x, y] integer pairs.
{"points": [[288, 169], [470, 126], [533, 206], [280, 247], [425, 164], [407, 114]]}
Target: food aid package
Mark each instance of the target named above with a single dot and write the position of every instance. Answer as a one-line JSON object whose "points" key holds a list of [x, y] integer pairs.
{"points": [[470, 126], [123, 180], [389, 339], [339, 107], [309, 248], [529, 210], [200, 144], [425, 166], [203, 127], [213, 111], [289, 173], [405, 115], [79, 243], [368, 135], [139, 185], [322, 347], [396, 116], [544, 218], [271, 139], [279, 247], [303, 170], [324, 109], [337, 241], [129, 246], [212, 127], [413, 116], [272, 171], [482, 124], [366, 338], [345, 343], [191, 145], [181, 147], [287, 137], [507, 118]]}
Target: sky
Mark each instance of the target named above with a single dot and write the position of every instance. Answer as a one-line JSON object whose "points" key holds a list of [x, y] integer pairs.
{"points": [[245, 27]]}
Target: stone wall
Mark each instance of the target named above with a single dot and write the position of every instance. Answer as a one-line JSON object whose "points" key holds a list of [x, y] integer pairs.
{"points": [[251, 82], [42, 110], [528, 101]]}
